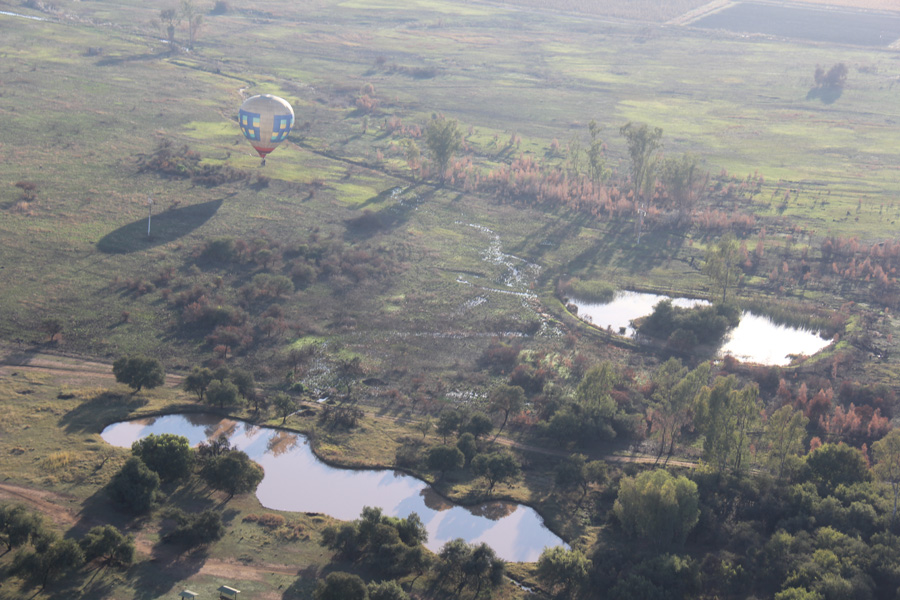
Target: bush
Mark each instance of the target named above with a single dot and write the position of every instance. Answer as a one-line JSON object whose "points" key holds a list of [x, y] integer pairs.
{"points": [[683, 327], [196, 530], [135, 486]]}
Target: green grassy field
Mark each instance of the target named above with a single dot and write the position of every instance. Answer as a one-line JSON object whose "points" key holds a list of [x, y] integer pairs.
{"points": [[87, 95]]}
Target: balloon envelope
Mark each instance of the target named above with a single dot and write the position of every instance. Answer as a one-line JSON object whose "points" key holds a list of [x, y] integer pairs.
{"points": [[265, 121]]}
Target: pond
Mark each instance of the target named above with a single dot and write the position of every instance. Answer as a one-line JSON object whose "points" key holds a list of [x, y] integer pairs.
{"points": [[756, 339], [295, 480]]}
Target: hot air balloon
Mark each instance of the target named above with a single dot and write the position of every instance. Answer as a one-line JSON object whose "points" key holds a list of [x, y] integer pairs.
{"points": [[265, 120]]}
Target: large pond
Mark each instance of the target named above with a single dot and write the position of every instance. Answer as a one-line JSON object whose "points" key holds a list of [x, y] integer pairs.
{"points": [[756, 339], [295, 480]]}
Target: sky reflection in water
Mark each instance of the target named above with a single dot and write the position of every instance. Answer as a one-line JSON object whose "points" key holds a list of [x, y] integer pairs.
{"points": [[297, 481]]}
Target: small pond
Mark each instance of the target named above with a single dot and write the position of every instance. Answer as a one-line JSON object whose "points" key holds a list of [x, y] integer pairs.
{"points": [[756, 339], [296, 480], [760, 340], [624, 308]]}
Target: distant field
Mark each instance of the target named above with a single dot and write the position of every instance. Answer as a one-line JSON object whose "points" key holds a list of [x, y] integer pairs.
{"points": [[830, 26], [643, 10], [863, 4], [657, 11]]}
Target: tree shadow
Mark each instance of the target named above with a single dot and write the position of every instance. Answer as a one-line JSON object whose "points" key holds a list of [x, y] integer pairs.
{"points": [[370, 223], [827, 95], [304, 585], [104, 408], [167, 226]]}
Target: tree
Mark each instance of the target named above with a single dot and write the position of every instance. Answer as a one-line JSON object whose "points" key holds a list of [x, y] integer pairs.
{"points": [[726, 416], [387, 590], [577, 472], [108, 544], [468, 446], [168, 455], [469, 565], [443, 138], [509, 400], [682, 178], [18, 525], [194, 530], [139, 372], [783, 436], [45, 564], [596, 154], [52, 327], [564, 572], [478, 424], [831, 465], [887, 463], [194, 19], [135, 486], [657, 506], [445, 458], [233, 472], [834, 79], [285, 405], [197, 381], [722, 263], [244, 382], [222, 393], [643, 145], [448, 422], [496, 467], [341, 586]]}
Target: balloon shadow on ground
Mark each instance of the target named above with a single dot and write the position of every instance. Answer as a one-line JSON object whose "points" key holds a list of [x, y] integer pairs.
{"points": [[165, 227]]}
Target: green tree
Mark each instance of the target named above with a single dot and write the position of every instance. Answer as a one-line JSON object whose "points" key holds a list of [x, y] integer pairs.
{"points": [[18, 525], [597, 154], [233, 473], [387, 590], [831, 465], [657, 506], [135, 486], [168, 455], [194, 530], [644, 144], [445, 458], [108, 544], [593, 397], [443, 139], [682, 178], [783, 436], [244, 382], [726, 416], [468, 446], [577, 472], [496, 467], [478, 424], [285, 405], [722, 263], [341, 586], [887, 464], [448, 422], [470, 566], [509, 400], [45, 564], [222, 393], [565, 572], [197, 381], [139, 372]]}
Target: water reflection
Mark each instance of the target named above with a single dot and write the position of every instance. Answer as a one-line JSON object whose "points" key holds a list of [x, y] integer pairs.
{"points": [[296, 480], [760, 340], [625, 307], [756, 339]]}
